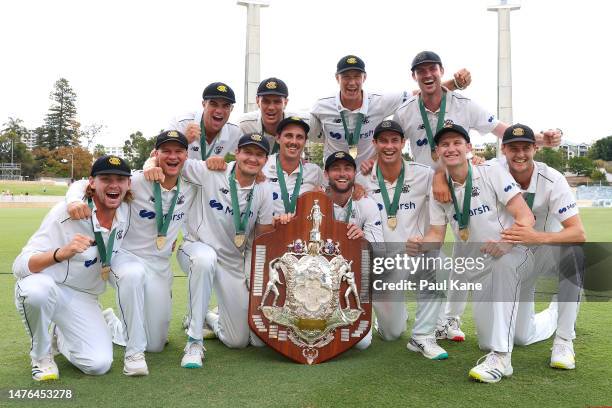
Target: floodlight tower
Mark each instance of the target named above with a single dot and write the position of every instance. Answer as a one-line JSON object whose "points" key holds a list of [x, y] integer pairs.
{"points": [[504, 65], [251, 66]]}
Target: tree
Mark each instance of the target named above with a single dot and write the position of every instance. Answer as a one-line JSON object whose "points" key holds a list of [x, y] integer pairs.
{"points": [[14, 127], [599, 176], [490, 152], [602, 149], [553, 158], [90, 132], [14, 150], [61, 127], [582, 166], [315, 153], [99, 151], [59, 162], [138, 149]]}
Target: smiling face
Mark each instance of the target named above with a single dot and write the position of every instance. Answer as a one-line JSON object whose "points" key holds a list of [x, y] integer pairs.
{"points": [[341, 175], [109, 190], [519, 156], [171, 156], [389, 146], [250, 159], [216, 113], [271, 108], [452, 149], [291, 141], [428, 77], [351, 83]]}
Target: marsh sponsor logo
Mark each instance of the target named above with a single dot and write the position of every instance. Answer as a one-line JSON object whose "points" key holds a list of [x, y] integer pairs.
{"points": [[407, 206], [147, 214], [215, 204], [91, 262], [567, 208], [422, 142], [476, 211], [335, 135]]}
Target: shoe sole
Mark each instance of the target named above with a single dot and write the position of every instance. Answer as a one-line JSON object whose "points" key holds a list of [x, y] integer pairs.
{"points": [[458, 339], [477, 377], [442, 356], [192, 365], [562, 366], [136, 373], [47, 377]]}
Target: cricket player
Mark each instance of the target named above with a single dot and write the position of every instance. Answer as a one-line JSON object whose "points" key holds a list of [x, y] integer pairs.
{"points": [[63, 269], [236, 210], [486, 201], [142, 276], [346, 121], [401, 191], [272, 98]]}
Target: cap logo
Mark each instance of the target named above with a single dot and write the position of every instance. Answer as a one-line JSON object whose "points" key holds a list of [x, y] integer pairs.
{"points": [[448, 125], [271, 85], [351, 60], [518, 132], [172, 133], [115, 161], [222, 88], [339, 155], [256, 137], [295, 118], [386, 124]]}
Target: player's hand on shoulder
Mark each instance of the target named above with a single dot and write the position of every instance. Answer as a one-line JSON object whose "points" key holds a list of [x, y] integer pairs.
{"points": [[440, 189], [354, 232], [366, 166], [282, 219], [192, 132], [77, 245], [216, 163], [359, 192], [476, 160], [414, 246], [78, 210]]}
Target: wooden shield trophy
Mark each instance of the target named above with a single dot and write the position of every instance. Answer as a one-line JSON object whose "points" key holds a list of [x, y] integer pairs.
{"points": [[310, 294]]}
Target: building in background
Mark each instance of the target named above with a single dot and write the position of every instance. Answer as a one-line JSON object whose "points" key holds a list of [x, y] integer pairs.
{"points": [[114, 150], [574, 149]]}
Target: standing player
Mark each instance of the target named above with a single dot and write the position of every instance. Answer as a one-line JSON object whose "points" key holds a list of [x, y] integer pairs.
{"points": [[485, 201], [347, 120], [62, 270], [142, 276], [272, 98], [401, 190], [237, 209]]}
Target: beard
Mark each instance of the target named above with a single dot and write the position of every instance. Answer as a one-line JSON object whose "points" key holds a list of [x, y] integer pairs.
{"points": [[334, 186]]}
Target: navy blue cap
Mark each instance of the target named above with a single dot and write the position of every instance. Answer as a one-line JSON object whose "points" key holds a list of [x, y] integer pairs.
{"points": [[171, 136], [451, 127], [255, 139], [425, 57], [350, 62], [110, 164], [518, 133], [388, 125], [273, 86], [219, 90], [337, 156]]}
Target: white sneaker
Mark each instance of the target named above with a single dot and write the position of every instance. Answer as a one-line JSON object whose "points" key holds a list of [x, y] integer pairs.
{"points": [[194, 354], [493, 368], [428, 347], [210, 322], [44, 369], [135, 365], [562, 355], [451, 330]]}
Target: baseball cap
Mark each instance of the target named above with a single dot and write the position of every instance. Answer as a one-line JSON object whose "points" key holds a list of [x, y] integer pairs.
{"points": [[219, 90], [110, 164], [273, 86], [337, 156], [424, 57], [254, 139], [451, 127], [350, 62], [388, 125], [292, 120], [171, 136], [518, 133]]}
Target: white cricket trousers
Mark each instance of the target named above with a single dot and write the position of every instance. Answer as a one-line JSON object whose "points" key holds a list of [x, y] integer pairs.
{"points": [[143, 290], [199, 262], [83, 337]]}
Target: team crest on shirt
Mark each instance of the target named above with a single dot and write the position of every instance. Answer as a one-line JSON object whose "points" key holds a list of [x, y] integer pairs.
{"points": [[337, 120], [274, 180], [180, 200], [120, 234], [195, 148], [406, 188], [218, 149], [152, 199], [475, 191]]}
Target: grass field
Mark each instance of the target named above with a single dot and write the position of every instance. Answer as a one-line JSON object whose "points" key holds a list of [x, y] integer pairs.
{"points": [[32, 188], [385, 375]]}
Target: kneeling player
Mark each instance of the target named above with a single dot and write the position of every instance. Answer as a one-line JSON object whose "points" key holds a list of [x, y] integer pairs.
{"points": [[62, 270]]}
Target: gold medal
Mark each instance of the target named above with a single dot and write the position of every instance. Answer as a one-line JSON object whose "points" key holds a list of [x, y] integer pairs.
{"points": [[434, 155], [353, 151], [239, 240], [105, 272], [464, 234], [160, 241], [392, 222]]}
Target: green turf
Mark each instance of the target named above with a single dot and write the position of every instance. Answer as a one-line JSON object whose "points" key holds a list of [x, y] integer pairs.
{"points": [[384, 375], [33, 188]]}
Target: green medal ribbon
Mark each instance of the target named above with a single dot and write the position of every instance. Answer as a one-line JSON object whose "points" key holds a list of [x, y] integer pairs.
{"points": [[428, 131], [529, 197], [349, 210], [203, 152], [352, 138], [163, 221], [391, 208], [239, 223], [106, 252], [463, 217], [288, 202], [276, 147]]}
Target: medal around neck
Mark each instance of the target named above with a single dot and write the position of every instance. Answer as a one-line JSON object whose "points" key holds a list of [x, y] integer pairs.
{"points": [[392, 222]]}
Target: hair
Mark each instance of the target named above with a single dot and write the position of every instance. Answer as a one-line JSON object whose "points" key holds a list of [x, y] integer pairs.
{"points": [[129, 195]]}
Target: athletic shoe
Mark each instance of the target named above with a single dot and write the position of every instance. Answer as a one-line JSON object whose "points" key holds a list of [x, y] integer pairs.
{"points": [[44, 369], [492, 369], [135, 365], [194, 353], [428, 347], [451, 330], [563, 356]]}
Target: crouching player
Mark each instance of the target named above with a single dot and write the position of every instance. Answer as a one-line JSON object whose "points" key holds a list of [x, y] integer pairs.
{"points": [[63, 269]]}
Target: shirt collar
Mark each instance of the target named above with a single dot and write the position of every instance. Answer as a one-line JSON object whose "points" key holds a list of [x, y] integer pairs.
{"points": [[120, 217]]}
